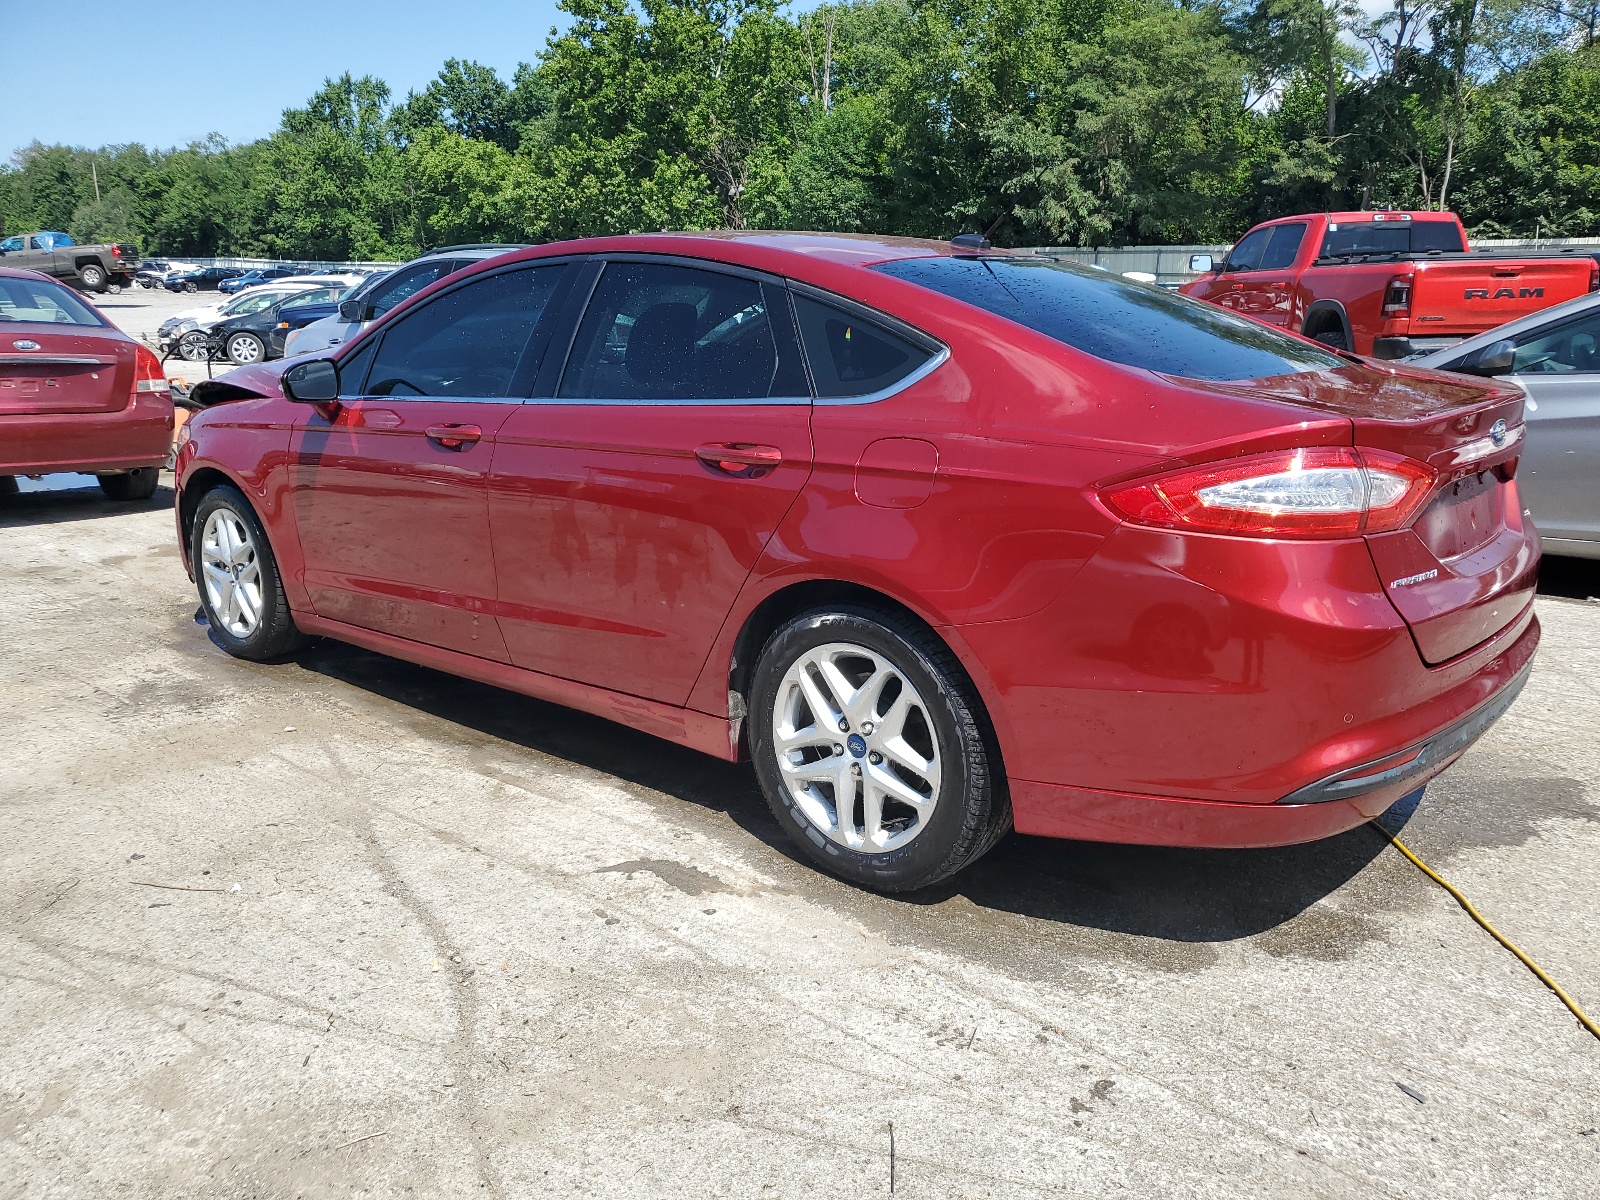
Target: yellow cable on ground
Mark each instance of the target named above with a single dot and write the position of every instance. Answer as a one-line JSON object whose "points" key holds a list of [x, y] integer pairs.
{"points": [[1583, 1017]]}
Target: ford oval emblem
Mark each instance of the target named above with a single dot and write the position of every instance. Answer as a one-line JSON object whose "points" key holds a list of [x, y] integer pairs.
{"points": [[1498, 433], [24, 344]]}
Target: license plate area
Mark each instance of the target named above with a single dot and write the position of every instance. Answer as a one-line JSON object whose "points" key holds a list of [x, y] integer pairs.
{"points": [[1465, 515]]}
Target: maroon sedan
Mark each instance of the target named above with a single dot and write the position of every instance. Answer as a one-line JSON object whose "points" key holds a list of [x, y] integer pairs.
{"points": [[76, 393], [946, 541]]}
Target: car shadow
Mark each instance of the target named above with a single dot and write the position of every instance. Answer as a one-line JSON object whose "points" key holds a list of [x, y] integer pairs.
{"points": [[85, 503], [1156, 892], [1571, 578]]}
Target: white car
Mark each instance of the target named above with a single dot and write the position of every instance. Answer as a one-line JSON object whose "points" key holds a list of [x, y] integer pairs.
{"points": [[176, 328]]}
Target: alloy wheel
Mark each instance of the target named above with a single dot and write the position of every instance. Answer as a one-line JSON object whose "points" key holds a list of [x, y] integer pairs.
{"points": [[244, 349], [231, 573], [856, 748]]}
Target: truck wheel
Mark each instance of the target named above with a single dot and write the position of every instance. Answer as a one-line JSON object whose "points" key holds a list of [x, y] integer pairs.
{"points": [[246, 348], [1334, 338], [138, 484], [92, 276]]}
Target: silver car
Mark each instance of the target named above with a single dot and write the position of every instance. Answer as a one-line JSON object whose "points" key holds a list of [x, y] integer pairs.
{"points": [[1554, 357]]}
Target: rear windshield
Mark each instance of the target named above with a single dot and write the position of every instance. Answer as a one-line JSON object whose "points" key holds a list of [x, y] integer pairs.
{"points": [[46, 303], [1390, 237], [1116, 319]]}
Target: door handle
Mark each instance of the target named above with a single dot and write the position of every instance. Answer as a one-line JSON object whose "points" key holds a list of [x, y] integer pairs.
{"points": [[739, 459], [454, 437]]}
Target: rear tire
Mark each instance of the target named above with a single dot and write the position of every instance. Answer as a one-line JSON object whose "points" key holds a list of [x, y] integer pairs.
{"points": [[8, 485], [237, 576], [903, 734], [138, 484], [93, 277], [191, 287], [1334, 339]]}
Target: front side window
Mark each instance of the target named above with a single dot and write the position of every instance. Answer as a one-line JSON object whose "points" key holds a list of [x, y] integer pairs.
{"points": [[1570, 349], [658, 331], [1116, 319], [250, 304], [466, 343], [1283, 247], [1247, 254], [37, 300], [850, 356]]}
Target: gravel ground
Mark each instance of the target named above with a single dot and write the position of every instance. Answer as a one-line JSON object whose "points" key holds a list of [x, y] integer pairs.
{"points": [[344, 926]]}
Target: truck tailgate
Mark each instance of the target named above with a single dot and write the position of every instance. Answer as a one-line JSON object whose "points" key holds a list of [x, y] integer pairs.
{"points": [[1460, 296]]}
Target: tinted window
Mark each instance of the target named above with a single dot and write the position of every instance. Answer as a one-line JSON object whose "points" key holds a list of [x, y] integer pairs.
{"points": [[850, 356], [353, 368], [1285, 244], [47, 303], [11, 243], [1117, 319], [408, 282], [1568, 349], [1390, 237], [314, 296], [654, 331], [1247, 253], [465, 343]]}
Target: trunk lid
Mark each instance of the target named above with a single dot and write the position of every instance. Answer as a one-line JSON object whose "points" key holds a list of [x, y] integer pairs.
{"points": [[44, 370], [1464, 296], [1464, 568]]}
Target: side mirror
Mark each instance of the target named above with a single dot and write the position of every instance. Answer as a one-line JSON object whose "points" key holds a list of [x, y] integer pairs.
{"points": [[1201, 263], [357, 311], [1497, 358], [314, 382]]}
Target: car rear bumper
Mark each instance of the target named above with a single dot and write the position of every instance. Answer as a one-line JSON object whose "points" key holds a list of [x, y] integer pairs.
{"points": [[139, 435]]}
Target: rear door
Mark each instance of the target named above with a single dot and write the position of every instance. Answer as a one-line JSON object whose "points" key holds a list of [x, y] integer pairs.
{"points": [[633, 495], [390, 496], [1559, 368]]}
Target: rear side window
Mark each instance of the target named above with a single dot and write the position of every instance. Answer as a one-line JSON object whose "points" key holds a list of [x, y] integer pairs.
{"points": [[658, 331], [1283, 247], [1390, 237], [45, 303], [1116, 319], [467, 343], [850, 356]]}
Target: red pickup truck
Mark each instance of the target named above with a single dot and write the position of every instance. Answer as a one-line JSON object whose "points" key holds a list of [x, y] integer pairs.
{"points": [[1388, 284]]}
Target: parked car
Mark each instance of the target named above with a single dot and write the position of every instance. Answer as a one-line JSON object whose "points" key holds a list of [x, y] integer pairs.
{"points": [[151, 272], [76, 393], [256, 336], [96, 268], [1554, 357], [1388, 284], [943, 540], [201, 279], [377, 296], [259, 275], [187, 333]]}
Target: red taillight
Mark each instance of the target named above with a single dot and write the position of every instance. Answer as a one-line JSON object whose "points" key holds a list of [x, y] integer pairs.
{"points": [[116, 252], [1322, 492], [1594, 277], [148, 373], [1397, 298]]}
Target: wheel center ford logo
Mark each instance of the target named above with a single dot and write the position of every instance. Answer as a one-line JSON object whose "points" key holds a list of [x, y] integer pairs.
{"points": [[857, 744], [1498, 433], [24, 344]]}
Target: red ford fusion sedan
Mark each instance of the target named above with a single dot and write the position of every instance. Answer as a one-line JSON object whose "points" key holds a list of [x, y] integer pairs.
{"points": [[947, 541], [76, 393]]}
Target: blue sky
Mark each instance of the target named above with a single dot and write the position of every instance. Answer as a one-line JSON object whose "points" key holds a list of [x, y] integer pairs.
{"points": [[194, 67]]}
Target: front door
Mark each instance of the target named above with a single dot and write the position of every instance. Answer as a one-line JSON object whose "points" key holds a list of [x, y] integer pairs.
{"points": [[631, 500], [1559, 476], [390, 496]]}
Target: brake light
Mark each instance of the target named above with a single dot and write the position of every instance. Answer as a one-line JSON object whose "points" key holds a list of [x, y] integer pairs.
{"points": [[116, 252], [1397, 298], [148, 373], [1594, 277], [1320, 492]]}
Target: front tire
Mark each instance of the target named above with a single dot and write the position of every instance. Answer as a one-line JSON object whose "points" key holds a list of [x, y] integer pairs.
{"points": [[8, 485], [138, 484], [869, 742], [237, 576]]}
